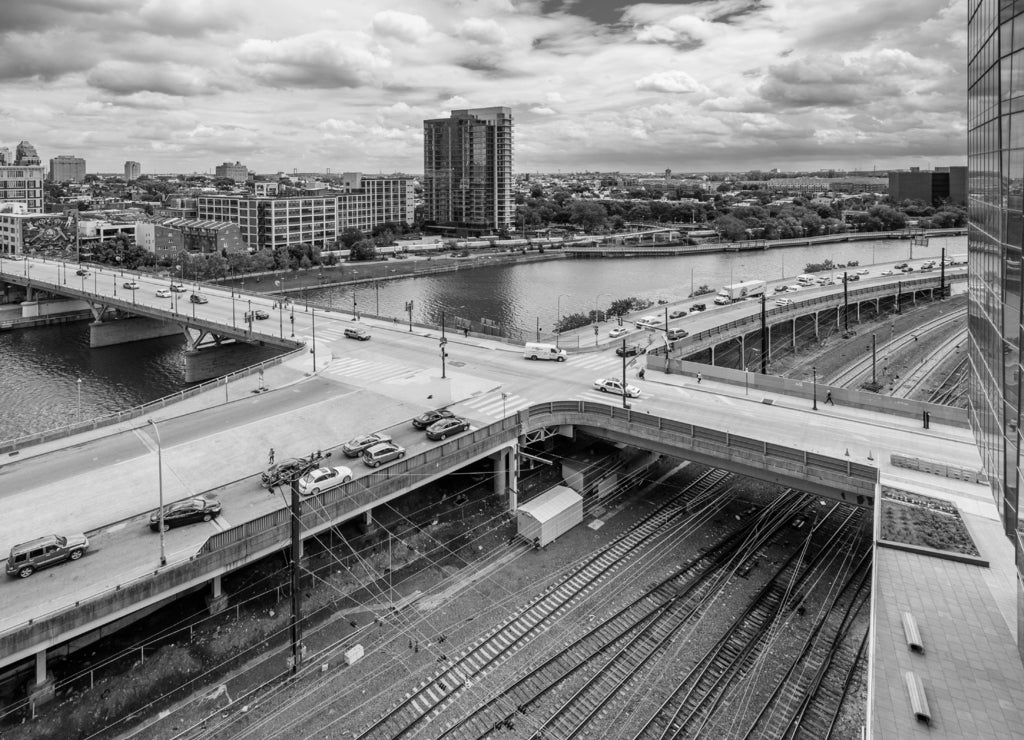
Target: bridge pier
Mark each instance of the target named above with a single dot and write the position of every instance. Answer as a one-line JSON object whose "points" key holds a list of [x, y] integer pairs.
{"points": [[217, 601], [222, 357], [131, 329], [43, 689], [506, 475]]}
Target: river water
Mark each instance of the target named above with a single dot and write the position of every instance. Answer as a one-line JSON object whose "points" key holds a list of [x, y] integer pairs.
{"points": [[40, 368]]}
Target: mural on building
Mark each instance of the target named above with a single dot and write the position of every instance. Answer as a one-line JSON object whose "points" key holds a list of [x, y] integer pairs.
{"points": [[50, 232]]}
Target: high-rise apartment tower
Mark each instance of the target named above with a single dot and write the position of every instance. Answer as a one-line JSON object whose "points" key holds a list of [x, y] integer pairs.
{"points": [[467, 171]]}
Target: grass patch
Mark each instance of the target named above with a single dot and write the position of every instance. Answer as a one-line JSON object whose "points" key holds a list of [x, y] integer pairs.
{"points": [[924, 521]]}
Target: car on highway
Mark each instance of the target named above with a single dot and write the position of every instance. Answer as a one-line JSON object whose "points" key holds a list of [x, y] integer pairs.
{"points": [[617, 332], [447, 427], [355, 447], [357, 332], [677, 314], [780, 288], [163, 293], [42, 552], [927, 268], [260, 315], [863, 272], [783, 302], [178, 288], [907, 268], [648, 322], [674, 334], [427, 418], [614, 385], [900, 266], [196, 298], [191, 510], [324, 479], [886, 272], [82, 272], [382, 453], [850, 277], [130, 285], [630, 349], [697, 307], [793, 288]]}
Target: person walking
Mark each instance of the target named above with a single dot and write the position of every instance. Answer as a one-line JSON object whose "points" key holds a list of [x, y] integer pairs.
{"points": [[699, 378], [828, 398], [640, 374], [271, 456]]}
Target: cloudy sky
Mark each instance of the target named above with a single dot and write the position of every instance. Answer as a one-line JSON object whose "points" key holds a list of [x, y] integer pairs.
{"points": [[183, 85]]}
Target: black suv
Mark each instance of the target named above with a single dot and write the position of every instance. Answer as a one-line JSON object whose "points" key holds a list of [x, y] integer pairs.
{"points": [[629, 350], [698, 307]]}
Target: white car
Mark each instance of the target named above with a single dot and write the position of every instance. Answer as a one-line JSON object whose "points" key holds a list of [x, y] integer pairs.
{"points": [[324, 479], [863, 272], [792, 288], [163, 293], [886, 272], [783, 302], [614, 385], [617, 332]]}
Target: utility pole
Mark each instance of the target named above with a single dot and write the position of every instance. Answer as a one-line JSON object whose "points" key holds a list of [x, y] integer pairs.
{"points": [[874, 382], [942, 275], [764, 338], [408, 307], [625, 405], [296, 621], [846, 305]]}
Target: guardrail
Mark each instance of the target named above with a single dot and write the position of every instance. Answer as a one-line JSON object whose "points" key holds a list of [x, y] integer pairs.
{"points": [[239, 545]]}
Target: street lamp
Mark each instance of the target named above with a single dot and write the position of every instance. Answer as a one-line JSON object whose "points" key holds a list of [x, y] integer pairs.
{"points": [[79, 384], [558, 325], [160, 484], [814, 381]]}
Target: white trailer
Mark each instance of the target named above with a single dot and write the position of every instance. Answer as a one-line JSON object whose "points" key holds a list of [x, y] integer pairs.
{"points": [[545, 518], [740, 291]]}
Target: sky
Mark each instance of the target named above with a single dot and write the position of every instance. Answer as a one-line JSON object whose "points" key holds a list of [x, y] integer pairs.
{"points": [[310, 85]]}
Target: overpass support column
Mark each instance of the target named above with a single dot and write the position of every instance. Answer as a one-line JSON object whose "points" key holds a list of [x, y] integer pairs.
{"points": [[817, 337], [794, 336], [858, 312], [506, 475], [43, 689], [217, 601]]}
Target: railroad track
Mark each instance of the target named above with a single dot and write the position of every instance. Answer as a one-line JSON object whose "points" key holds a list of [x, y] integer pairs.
{"points": [[859, 370], [909, 384], [690, 707], [819, 720], [784, 711], [594, 667], [463, 671], [953, 387]]}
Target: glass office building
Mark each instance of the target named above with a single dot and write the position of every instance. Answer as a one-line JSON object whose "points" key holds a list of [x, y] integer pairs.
{"points": [[995, 151]]}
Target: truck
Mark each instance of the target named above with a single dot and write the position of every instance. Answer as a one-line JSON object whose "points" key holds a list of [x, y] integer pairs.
{"points": [[740, 291]]}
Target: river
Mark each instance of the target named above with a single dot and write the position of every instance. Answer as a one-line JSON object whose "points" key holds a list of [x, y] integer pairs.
{"points": [[40, 368]]}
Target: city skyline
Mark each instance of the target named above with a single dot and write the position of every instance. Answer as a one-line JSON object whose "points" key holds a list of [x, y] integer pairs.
{"points": [[721, 85]]}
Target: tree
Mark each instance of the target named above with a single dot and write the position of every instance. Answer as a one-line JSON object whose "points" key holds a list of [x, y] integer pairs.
{"points": [[731, 228], [364, 250], [587, 215], [350, 236]]}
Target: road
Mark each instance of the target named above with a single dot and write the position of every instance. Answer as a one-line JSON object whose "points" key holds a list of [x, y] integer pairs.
{"points": [[108, 486]]}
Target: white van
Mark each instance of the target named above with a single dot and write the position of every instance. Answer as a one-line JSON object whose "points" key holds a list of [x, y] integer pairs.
{"points": [[541, 351], [806, 280]]}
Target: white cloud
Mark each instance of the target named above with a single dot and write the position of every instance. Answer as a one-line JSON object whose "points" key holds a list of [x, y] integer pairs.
{"points": [[674, 81], [322, 59], [403, 26], [542, 111], [482, 31]]}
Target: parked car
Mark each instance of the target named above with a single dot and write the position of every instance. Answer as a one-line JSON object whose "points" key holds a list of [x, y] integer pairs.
{"points": [[178, 288], [324, 479], [630, 349], [260, 314], [697, 307], [196, 298], [677, 314], [614, 385], [617, 332], [382, 453], [130, 285], [191, 510], [783, 302], [163, 293], [82, 272], [355, 447], [427, 418], [28, 557], [447, 427], [357, 332]]}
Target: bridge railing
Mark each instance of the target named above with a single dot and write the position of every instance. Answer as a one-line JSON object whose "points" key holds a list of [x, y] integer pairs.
{"points": [[135, 412]]}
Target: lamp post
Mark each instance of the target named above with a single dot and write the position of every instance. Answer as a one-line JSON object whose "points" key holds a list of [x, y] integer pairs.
{"points": [[79, 384], [814, 387], [160, 488], [558, 325]]}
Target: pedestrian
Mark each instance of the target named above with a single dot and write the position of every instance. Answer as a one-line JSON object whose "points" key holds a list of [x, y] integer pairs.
{"points": [[699, 378], [271, 456], [641, 374], [828, 398], [465, 332]]}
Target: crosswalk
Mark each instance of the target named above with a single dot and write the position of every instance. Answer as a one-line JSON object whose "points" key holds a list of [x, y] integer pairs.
{"points": [[605, 362], [352, 368], [493, 405]]}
